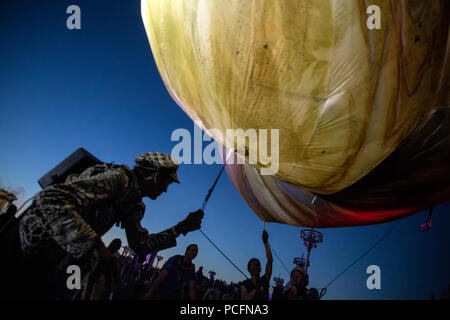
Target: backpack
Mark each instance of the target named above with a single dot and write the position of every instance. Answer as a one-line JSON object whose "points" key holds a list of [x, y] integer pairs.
{"points": [[74, 164]]}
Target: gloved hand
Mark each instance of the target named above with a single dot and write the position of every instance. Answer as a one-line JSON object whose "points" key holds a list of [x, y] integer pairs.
{"points": [[192, 222], [265, 236]]}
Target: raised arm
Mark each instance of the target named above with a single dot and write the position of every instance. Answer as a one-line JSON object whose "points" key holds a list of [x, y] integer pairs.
{"points": [[265, 237]]}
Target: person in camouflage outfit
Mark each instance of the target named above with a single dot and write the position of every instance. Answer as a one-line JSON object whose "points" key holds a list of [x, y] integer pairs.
{"points": [[70, 218]]}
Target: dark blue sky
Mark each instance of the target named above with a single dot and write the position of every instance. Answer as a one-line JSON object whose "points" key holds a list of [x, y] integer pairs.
{"points": [[99, 88]]}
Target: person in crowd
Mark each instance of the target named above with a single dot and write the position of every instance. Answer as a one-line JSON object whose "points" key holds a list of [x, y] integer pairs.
{"points": [[71, 217], [114, 246], [277, 293], [257, 288], [296, 287], [176, 278], [199, 274]]}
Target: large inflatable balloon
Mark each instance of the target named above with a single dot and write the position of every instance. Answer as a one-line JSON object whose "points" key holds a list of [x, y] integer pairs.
{"points": [[342, 95], [347, 99]]}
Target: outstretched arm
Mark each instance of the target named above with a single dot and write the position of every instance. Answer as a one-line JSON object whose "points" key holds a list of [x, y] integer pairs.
{"points": [[143, 243], [269, 263], [138, 237]]}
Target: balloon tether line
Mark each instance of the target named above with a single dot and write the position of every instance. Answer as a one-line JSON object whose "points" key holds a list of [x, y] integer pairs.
{"points": [[276, 255], [324, 290], [212, 188], [215, 181], [204, 206], [207, 238]]}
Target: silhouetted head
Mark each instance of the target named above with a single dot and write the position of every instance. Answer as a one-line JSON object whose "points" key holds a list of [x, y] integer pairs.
{"points": [[254, 267], [155, 171], [191, 252], [115, 245], [299, 277]]}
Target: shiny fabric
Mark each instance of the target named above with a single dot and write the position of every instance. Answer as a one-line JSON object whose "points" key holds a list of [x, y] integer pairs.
{"points": [[343, 96]]}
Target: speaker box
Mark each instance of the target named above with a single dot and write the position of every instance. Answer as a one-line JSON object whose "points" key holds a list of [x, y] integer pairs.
{"points": [[77, 162]]}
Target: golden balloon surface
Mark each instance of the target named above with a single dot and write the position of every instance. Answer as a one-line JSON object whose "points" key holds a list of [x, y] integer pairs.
{"points": [[342, 96]]}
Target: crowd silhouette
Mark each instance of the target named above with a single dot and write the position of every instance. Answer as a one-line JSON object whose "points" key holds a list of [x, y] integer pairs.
{"points": [[178, 279]]}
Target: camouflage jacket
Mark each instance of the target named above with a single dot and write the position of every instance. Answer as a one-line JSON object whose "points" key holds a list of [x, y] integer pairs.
{"points": [[72, 214]]}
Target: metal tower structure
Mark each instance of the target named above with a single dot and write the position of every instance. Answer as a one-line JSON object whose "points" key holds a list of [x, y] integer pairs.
{"points": [[301, 262], [311, 238]]}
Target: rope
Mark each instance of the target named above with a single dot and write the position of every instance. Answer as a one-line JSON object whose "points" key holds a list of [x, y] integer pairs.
{"points": [[223, 254], [212, 188], [276, 255], [203, 208], [324, 290], [215, 181]]}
